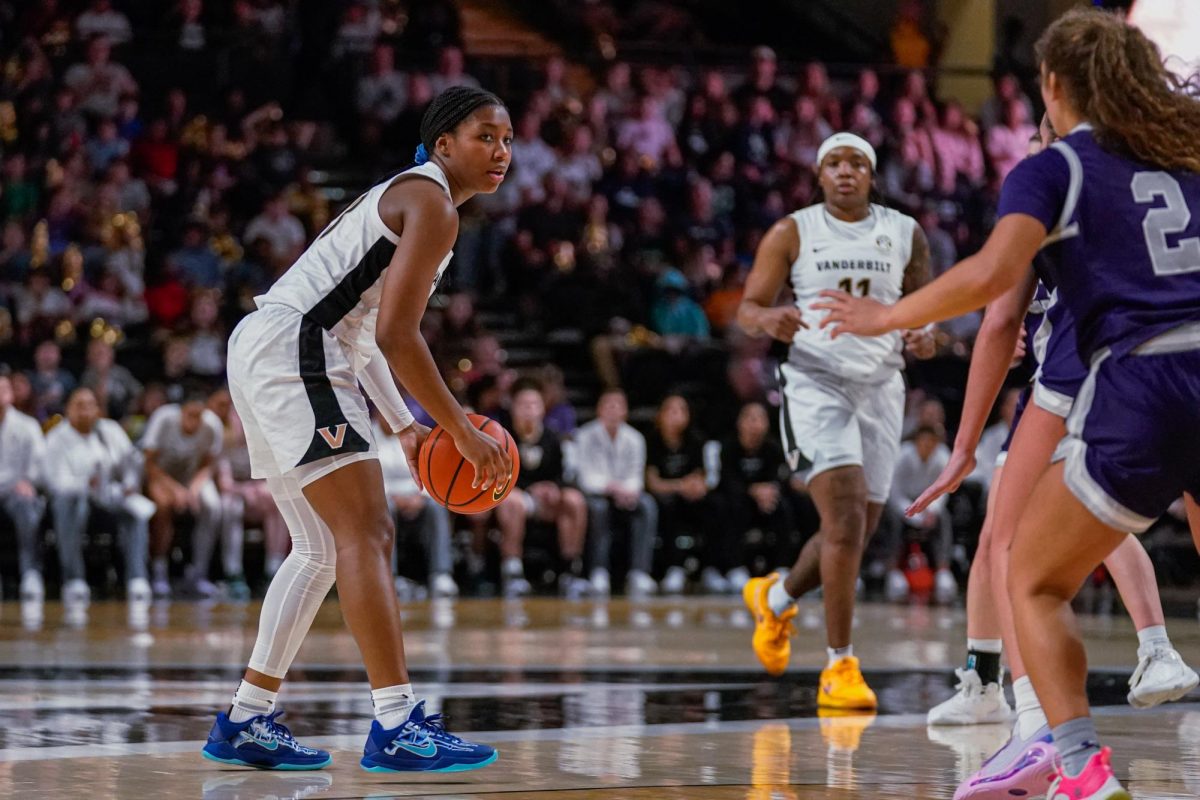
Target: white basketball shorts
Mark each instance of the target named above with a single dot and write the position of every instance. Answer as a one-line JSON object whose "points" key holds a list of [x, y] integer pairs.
{"points": [[828, 422], [297, 396]]}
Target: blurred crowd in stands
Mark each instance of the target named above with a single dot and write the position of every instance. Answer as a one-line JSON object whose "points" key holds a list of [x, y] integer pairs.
{"points": [[161, 163]]}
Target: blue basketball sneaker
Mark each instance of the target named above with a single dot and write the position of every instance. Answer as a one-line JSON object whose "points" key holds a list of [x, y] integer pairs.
{"points": [[260, 742], [422, 745]]}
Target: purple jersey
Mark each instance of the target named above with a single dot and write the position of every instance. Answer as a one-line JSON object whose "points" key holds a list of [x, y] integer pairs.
{"points": [[1123, 242]]}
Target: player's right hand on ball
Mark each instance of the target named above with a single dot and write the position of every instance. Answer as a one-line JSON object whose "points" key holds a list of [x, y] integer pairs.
{"points": [[492, 465], [782, 323]]}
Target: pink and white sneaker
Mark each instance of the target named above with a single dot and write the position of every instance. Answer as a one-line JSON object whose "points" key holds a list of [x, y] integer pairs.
{"points": [[1021, 768], [1096, 782]]}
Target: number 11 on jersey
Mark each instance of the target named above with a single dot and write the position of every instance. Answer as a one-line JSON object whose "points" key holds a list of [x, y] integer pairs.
{"points": [[847, 286]]}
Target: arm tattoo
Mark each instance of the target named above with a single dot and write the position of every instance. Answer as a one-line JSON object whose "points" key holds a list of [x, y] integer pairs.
{"points": [[919, 270]]}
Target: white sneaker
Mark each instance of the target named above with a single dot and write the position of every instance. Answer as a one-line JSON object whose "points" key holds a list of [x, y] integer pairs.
{"points": [[601, 583], [442, 585], [639, 584], [945, 588], [573, 587], [737, 578], [713, 582], [516, 586], [32, 588], [1161, 677], [674, 581], [137, 590], [406, 589], [972, 704], [76, 593], [896, 588]]}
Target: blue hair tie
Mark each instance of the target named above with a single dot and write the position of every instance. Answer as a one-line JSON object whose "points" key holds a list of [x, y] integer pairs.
{"points": [[421, 156]]}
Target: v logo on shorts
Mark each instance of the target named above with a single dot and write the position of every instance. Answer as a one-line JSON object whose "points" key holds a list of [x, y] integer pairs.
{"points": [[334, 436]]}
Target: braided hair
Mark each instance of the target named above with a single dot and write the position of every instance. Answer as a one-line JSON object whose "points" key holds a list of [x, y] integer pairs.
{"points": [[447, 110]]}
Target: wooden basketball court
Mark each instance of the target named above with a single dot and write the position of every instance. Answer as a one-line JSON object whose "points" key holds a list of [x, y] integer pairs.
{"points": [[661, 699]]}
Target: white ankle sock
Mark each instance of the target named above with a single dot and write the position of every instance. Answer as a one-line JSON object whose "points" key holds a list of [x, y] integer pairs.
{"points": [[392, 704], [778, 600], [1152, 638], [1030, 716], [512, 567], [836, 654], [250, 701]]}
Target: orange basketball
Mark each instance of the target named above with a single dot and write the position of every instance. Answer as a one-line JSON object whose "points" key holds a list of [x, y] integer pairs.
{"points": [[447, 476]]}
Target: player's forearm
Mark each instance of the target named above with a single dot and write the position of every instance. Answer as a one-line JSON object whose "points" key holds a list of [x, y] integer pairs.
{"points": [[409, 357], [376, 378], [969, 286], [749, 317], [989, 364]]}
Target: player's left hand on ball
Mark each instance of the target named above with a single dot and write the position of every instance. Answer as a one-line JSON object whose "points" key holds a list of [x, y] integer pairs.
{"points": [[847, 314], [411, 439]]}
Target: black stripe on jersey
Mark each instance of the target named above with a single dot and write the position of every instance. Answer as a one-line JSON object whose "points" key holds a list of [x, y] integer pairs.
{"points": [[326, 410], [791, 447], [345, 296]]}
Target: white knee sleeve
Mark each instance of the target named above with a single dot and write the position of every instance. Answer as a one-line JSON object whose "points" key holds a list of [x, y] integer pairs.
{"points": [[299, 587]]}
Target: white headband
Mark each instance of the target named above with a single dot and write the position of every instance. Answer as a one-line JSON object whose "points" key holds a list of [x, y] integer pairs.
{"points": [[845, 139]]}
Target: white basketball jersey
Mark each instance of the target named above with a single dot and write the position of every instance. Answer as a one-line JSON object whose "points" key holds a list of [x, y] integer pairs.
{"points": [[338, 280], [866, 259]]}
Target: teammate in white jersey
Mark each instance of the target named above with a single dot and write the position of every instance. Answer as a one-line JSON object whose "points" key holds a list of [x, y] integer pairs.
{"points": [[843, 399], [349, 312]]}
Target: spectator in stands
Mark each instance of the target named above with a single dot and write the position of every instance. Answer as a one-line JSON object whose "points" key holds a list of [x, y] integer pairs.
{"points": [[541, 494], [959, 156], [560, 414], [22, 449], [206, 336], [195, 261], [51, 383], [113, 385], [612, 472], [675, 478], [648, 135], [282, 229], [750, 494], [243, 499], [762, 81], [101, 19], [1008, 142], [383, 92], [921, 461], [39, 306], [181, 445], [537, 159], [21, 193], [580, 167], [99, 82], [450, 71], [1006, 88], [93, 471], [674, 312], [617, 94], [105, 146], [799, 137], [415, 511]]}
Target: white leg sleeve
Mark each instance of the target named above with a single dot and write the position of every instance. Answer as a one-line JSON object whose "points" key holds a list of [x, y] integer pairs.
{"points": [[299, 587]]}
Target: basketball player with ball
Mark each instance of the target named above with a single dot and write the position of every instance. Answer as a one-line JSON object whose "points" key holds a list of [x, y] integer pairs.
{"points": [[346, 313]]}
